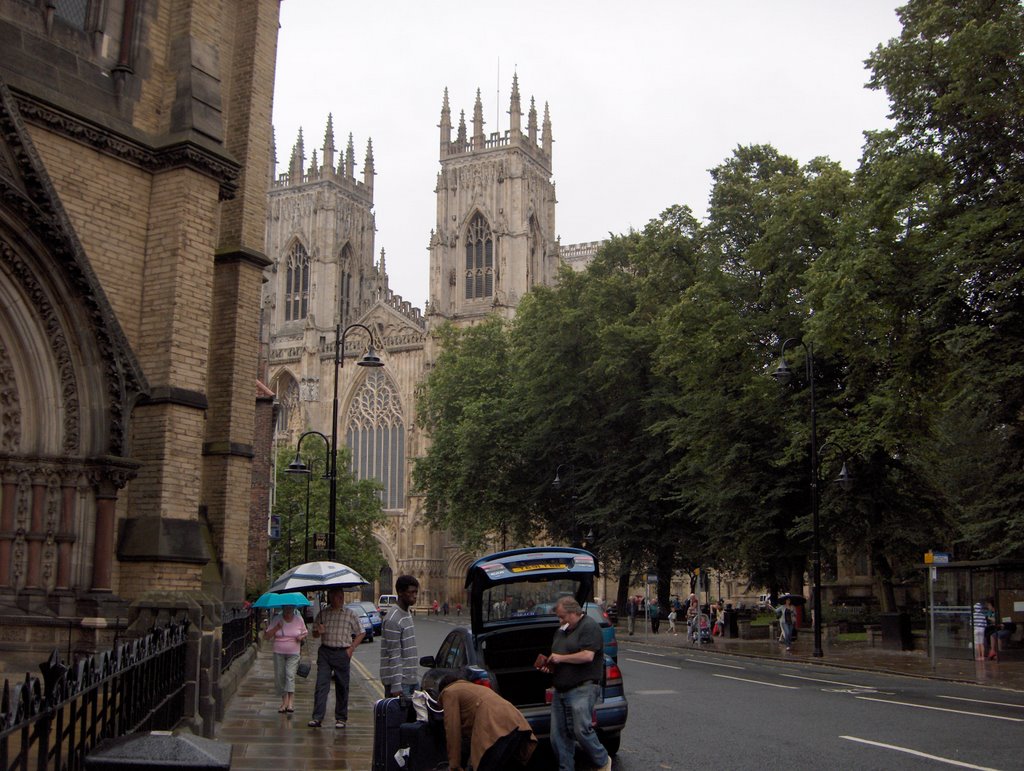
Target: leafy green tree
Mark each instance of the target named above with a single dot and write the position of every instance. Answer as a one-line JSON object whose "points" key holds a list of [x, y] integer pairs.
{"points": [[359, 512], [471, 473]]}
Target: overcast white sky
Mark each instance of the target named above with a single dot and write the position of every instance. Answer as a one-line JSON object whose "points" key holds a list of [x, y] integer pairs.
{"points": [[645, 97]]}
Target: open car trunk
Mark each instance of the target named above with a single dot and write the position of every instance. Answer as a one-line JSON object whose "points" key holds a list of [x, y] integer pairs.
{"points": [[509, 655]]}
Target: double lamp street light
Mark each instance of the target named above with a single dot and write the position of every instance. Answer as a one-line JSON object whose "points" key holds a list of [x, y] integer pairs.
{"points": [[297, 466]]}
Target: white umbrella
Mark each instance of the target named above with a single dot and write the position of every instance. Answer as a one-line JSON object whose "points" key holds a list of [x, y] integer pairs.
{"points": [[317, 575]]}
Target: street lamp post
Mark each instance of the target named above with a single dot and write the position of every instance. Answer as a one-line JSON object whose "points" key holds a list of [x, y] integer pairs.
{"points": [[368, 359], [783, 375], [557, 484], [305, 540]]}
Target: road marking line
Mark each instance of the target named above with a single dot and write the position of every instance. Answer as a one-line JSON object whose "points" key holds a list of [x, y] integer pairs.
{"points": [[756, 682], [941, 709], [645, 653], [714, 664], [982, 701], [655, 693], [830, 682], [653, 663], [909, 751], [375, 685]]}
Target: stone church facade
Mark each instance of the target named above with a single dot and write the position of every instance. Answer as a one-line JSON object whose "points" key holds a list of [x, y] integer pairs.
{"points": [[494, 240]]}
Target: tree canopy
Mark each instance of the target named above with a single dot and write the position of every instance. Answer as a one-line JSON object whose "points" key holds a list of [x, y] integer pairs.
{"points": [[646, 375]]}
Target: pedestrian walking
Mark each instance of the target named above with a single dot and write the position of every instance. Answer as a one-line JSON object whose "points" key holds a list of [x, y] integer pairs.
{"points": [[787, 621], [287, 630], [398, 658], [672, 622], [340, 633]]}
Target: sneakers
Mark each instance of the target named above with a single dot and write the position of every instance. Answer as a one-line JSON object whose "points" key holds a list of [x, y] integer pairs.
{"points": [[339, 723], [313, 723]]}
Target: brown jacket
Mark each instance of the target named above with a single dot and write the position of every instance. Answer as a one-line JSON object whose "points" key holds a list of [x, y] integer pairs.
{"points": [[482, 715]]}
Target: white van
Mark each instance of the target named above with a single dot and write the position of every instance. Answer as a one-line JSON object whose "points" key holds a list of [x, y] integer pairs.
{"points": [[385, 602]]}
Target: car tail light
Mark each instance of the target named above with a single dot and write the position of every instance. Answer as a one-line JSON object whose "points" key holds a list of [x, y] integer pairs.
{"points": [[612, 674]]}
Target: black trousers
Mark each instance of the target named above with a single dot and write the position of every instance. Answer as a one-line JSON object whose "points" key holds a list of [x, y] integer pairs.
{"points": [[331, 664], [504, 753]]}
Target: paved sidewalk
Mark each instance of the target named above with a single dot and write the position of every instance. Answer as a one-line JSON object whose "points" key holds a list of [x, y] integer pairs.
{"points": [[1008, 673], [265, 740]]}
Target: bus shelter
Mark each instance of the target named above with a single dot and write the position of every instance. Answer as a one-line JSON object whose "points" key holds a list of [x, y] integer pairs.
{"points": [[956, 587]]}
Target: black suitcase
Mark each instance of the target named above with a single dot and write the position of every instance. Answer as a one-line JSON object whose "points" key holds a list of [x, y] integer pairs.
{"points": [[426, 743], [388, 716]]}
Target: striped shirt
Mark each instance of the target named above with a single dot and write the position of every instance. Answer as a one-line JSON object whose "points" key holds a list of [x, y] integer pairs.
{"points": [[399, 661], [340, 626]]}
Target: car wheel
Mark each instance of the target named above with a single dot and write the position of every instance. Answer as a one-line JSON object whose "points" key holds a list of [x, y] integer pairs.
{"points": [[611, 743]]}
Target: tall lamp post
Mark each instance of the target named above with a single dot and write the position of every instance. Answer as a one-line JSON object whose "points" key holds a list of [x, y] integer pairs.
{"points": [[557, 484], [368, 359], [784, 375], [298, 467]]}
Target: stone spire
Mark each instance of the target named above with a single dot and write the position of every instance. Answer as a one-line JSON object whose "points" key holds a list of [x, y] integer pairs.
{"points": [[445, 125], [314, 167], [350, 159], [297, 161], [514, 110], [545, 136], [478, 123], [368, 166], [329, 147], [531, 126], [461, 137]]}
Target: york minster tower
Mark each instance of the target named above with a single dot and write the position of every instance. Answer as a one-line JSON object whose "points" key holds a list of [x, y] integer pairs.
{"points": [[495, 234], [494, 241]]}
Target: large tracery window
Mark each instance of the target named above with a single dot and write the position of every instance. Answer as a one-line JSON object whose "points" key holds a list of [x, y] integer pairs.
{"points": [[375, 434], [287, 390], [345, 284], [479, 259], [296, 293]]}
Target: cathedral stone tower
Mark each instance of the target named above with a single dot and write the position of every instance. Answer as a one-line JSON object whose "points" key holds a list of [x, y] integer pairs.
{"points": [[495, 235]]}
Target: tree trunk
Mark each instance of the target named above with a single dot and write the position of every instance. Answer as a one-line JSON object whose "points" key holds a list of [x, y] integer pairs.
{"points": [[883, 575], [622, 594], [665, 564]]}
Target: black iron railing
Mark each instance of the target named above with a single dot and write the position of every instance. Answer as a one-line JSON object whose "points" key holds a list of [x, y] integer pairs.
{"points": [[237, 635], [55, 721]]}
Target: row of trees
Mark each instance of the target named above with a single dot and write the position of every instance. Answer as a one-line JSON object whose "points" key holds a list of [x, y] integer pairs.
{"points": [[647, 374]]}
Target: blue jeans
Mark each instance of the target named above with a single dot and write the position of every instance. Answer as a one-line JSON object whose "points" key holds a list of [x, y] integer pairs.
{"points": [[571, 714]]}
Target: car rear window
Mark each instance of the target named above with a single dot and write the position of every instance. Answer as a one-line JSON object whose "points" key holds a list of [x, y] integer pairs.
{"points": [[528, 598]]}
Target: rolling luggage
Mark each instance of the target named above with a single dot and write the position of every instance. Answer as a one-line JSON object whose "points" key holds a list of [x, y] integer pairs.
{"points": [[426, 743], [388, 716]]}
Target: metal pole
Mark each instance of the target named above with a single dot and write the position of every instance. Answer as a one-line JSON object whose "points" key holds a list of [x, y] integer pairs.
{"points": [[816, 556], [332, 504], [305, 543], [933, 573]]}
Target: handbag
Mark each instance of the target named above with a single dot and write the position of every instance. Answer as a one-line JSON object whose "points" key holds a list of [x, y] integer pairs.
{"points": [[426, 707], [303, 669]]}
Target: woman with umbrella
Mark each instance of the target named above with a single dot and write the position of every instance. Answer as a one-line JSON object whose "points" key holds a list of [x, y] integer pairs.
{"points": [[787, 619], [287, 630]]}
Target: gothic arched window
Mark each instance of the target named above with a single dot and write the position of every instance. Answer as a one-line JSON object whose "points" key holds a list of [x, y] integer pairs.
{"points": [[479, 259], [296, 295], [287, 390], [375, 433]]}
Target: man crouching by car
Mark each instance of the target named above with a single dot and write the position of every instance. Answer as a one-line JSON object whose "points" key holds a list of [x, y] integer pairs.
{"points": [[576, 664]]}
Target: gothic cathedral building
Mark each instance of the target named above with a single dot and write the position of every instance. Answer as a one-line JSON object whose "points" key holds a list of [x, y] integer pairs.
{"points": [[495, 240]]}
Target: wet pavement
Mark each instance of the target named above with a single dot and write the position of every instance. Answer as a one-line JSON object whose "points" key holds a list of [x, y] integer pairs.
{"points": [[1007, 673], [264, 739]]}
